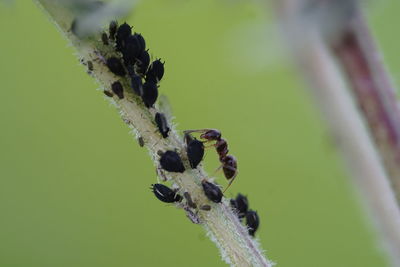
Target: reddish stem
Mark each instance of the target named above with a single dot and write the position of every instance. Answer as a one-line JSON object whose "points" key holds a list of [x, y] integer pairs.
{"points": [[374, 93]]}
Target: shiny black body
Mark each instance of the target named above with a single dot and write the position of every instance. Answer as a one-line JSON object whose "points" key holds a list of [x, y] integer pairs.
{"points": [[162, 124], [172, 162], [165, 194], [150, 93], [252, 221], [115, 66], [241, 205], [156, 71], [137, 84], [123, 32], [117, 89], [142, 64], [212, 191], [132, 49], [194, 150]]}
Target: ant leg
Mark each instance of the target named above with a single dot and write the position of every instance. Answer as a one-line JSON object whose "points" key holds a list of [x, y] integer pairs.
{"points": [[209, 146], [219, 168], [230, 182], [195, 131]]}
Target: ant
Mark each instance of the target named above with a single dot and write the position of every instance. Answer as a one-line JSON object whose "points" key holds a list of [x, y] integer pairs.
{"points": [[228, 162]]}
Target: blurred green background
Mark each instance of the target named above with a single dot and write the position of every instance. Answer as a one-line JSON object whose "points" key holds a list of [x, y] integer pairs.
{"points": [[74, 183]]}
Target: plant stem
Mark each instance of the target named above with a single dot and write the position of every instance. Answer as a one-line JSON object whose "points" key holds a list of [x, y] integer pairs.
{"points": [[312, 41], [221, 223], [374, 92]]}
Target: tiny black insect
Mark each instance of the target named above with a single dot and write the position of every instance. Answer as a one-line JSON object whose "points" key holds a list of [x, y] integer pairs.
{"points": [[172, 162], [252, 221], [104, 38], [212, 191], [241, 204], [150, 93], [142, 63], [117, 89], [194, 150], [137, 84], [123, 32], [90, 66], [140, 141], [165, 194], [205, 207], [115, 66], [156, 71], [131, 49], [162, 124], [112, 29], [108, 93], [141, 40], [189, 200]]}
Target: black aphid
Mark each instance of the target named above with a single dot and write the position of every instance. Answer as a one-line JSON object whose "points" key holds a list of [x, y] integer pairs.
{"points": [[242, 205], [155, 71], [140, 141], [189, 200], [104, 38], [117, 89], [141, 40], [131, 50], [194, 150], [162, 124], [150, 94], [172, 162], [115, 66], [142, 63], [123, 32], [112, 29], [90, 65], [252, 221], [212, 191], [165, 194], [108, 93], [137, 84]]}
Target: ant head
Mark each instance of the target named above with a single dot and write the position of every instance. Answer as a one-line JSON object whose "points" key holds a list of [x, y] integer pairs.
{"points": [[212, 134]]}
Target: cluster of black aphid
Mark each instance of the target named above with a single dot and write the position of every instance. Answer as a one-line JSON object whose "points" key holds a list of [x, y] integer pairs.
{"points": [[132, 61], [171, 161], [241, 205], [144, 77]]}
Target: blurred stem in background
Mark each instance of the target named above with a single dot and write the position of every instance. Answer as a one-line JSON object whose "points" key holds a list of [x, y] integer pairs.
{"points": [[336, 54]]}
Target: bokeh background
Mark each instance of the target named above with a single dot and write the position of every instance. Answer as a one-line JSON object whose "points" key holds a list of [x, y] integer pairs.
{"points": [[74, 184]]}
